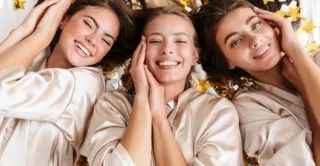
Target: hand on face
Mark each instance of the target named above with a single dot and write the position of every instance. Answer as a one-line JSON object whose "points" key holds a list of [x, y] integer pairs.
{"points": [[290, 74], [48, 16], [287, 35], [137, 69], [146, 84], [156, 98]]}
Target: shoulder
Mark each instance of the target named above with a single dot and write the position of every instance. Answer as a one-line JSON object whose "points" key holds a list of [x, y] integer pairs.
{"points": [[210, 103], [116, 101], [253, 95], [88, 79]]}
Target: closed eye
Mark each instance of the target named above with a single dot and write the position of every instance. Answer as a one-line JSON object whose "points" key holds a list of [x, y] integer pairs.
{"points": [[88, 24], [155, 41], [180, 41], [108, 43]]}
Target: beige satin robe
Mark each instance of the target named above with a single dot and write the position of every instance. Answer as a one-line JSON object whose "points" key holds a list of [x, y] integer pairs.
{"points": [[274, 126], [43, 113], [206, 129]]}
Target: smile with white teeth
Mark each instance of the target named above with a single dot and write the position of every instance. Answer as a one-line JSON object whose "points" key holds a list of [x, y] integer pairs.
{"points": [[262, 51], [167, 63], [83, 49]]}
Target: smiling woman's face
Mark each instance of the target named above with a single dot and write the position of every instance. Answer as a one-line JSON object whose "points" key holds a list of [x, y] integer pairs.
{"points": [[170, 50], [247, 41], [88, 35]]}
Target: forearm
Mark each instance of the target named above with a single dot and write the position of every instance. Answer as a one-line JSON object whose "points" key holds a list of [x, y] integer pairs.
{"points": [[22, 53], [314, 128], [309, 74], [165, 148], [12, 39], [137, 137]]}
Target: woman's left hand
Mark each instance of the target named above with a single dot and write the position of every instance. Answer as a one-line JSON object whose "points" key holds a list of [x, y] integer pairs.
{"points": [[156, 98], [51, 19], [288, 38]]}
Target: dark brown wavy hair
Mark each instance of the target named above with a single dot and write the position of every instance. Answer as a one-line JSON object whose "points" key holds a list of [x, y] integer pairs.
{"points": [[130, 28], [207, 21]]}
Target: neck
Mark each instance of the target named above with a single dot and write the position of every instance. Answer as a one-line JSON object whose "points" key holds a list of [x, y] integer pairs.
{"points": [[173, 90], [273, 77], [57, 59]]}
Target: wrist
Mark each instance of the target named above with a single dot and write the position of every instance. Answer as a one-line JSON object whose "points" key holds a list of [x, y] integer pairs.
{"points": [[141, 96], [42, 40], [20, 31], [296, 52], [160, 123]]}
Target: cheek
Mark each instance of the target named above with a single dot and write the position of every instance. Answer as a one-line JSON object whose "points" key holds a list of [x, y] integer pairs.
{"points": [[269, 32], [235, 55], [151, 52]]}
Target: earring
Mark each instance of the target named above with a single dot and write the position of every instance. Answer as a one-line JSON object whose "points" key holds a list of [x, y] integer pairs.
{"points": [[230, 66]]}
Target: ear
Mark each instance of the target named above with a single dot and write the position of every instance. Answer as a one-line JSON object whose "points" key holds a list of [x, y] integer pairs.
{"points": [[276, 31], [195, 56], [64, 21]]}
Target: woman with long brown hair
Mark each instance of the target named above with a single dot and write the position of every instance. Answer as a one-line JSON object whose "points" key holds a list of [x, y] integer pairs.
{"points": [[47, 99], [238, 40]]}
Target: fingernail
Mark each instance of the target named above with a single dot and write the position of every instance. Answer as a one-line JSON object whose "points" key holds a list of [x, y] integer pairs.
{"points": [[143, 37]]}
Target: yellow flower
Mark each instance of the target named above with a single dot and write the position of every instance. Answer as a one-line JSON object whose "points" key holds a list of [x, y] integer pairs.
{"points": [[313, 46], [203, 85], [294, 13], [309, 26], [185, 2], [266, 1], [18, 4]]}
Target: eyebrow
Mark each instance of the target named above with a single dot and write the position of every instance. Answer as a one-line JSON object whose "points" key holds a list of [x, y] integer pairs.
{"points": [[97, 25], [234, 33], [175, 34]]}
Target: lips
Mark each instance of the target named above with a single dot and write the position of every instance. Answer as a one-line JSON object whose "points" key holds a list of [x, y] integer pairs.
{"points": [[263, 50], [167, 64], [83, 49]]}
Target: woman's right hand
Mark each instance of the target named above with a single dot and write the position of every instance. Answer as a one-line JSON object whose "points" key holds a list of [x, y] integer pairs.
{"points": [[137, 69]]}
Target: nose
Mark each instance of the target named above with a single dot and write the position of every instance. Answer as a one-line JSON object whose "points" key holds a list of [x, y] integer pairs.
{"points": [[91, 38], [255, 42], [167, 49]]}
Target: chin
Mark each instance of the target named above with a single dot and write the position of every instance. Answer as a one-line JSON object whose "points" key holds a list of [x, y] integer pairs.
{"points": [[78, 63]]}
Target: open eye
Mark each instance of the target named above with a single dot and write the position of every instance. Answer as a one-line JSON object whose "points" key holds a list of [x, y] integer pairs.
{"points": [[236, 42], [256, 25]]}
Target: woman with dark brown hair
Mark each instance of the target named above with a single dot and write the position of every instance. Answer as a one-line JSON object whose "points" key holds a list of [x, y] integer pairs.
{"points": [[164, 123], [238, 39], [47, 99]]}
